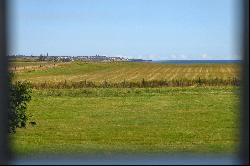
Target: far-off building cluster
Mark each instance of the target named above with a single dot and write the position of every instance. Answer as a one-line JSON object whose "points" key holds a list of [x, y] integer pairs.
{"points": [[46, 57]]}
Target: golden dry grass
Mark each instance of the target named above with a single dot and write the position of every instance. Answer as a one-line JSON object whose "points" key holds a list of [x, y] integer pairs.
{"points": [[128, 71]]}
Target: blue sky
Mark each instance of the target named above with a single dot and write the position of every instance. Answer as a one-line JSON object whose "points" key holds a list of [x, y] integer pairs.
{"points": [[148, 29]]}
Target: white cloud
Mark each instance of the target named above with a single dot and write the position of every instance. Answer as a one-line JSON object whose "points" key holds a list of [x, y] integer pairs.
{"points": [[173, 57], [183, 57], [204, 56], [152, 57]]}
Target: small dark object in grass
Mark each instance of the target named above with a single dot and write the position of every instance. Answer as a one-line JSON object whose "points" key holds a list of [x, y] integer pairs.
{"points": [[33, 123]]}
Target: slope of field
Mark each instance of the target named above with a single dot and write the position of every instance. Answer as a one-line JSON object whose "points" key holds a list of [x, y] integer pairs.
{"points": [[150, 120], [120, 71], [153, 120]]}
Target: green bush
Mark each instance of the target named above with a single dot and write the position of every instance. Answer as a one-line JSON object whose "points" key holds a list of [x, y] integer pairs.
{"points": [[19, 95]]}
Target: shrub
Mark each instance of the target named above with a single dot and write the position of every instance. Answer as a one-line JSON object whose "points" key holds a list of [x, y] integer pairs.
{"points": [[139, 84], [19, 95]]}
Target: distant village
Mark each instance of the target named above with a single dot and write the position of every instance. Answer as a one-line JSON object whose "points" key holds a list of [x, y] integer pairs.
{"points": [[46, 57]]}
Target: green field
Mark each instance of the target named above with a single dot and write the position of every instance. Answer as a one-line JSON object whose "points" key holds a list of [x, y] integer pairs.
{"points": [[130, 120]]}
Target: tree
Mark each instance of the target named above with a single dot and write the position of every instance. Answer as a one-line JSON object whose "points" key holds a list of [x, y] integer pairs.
{"points": [[19, 95]]}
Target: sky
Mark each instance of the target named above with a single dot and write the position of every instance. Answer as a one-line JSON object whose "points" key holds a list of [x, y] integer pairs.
{"points": [[147, 29]]}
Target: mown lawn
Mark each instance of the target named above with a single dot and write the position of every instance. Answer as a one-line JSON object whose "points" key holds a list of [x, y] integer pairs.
{"points": [[150, 120]]}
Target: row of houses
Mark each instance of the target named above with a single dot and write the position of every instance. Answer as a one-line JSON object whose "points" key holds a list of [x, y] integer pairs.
{"points": [[46, 57], [100, 58]]}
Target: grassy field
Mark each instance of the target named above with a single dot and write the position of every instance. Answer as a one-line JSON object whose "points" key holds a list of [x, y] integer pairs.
{"points": [[130, 120]]}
